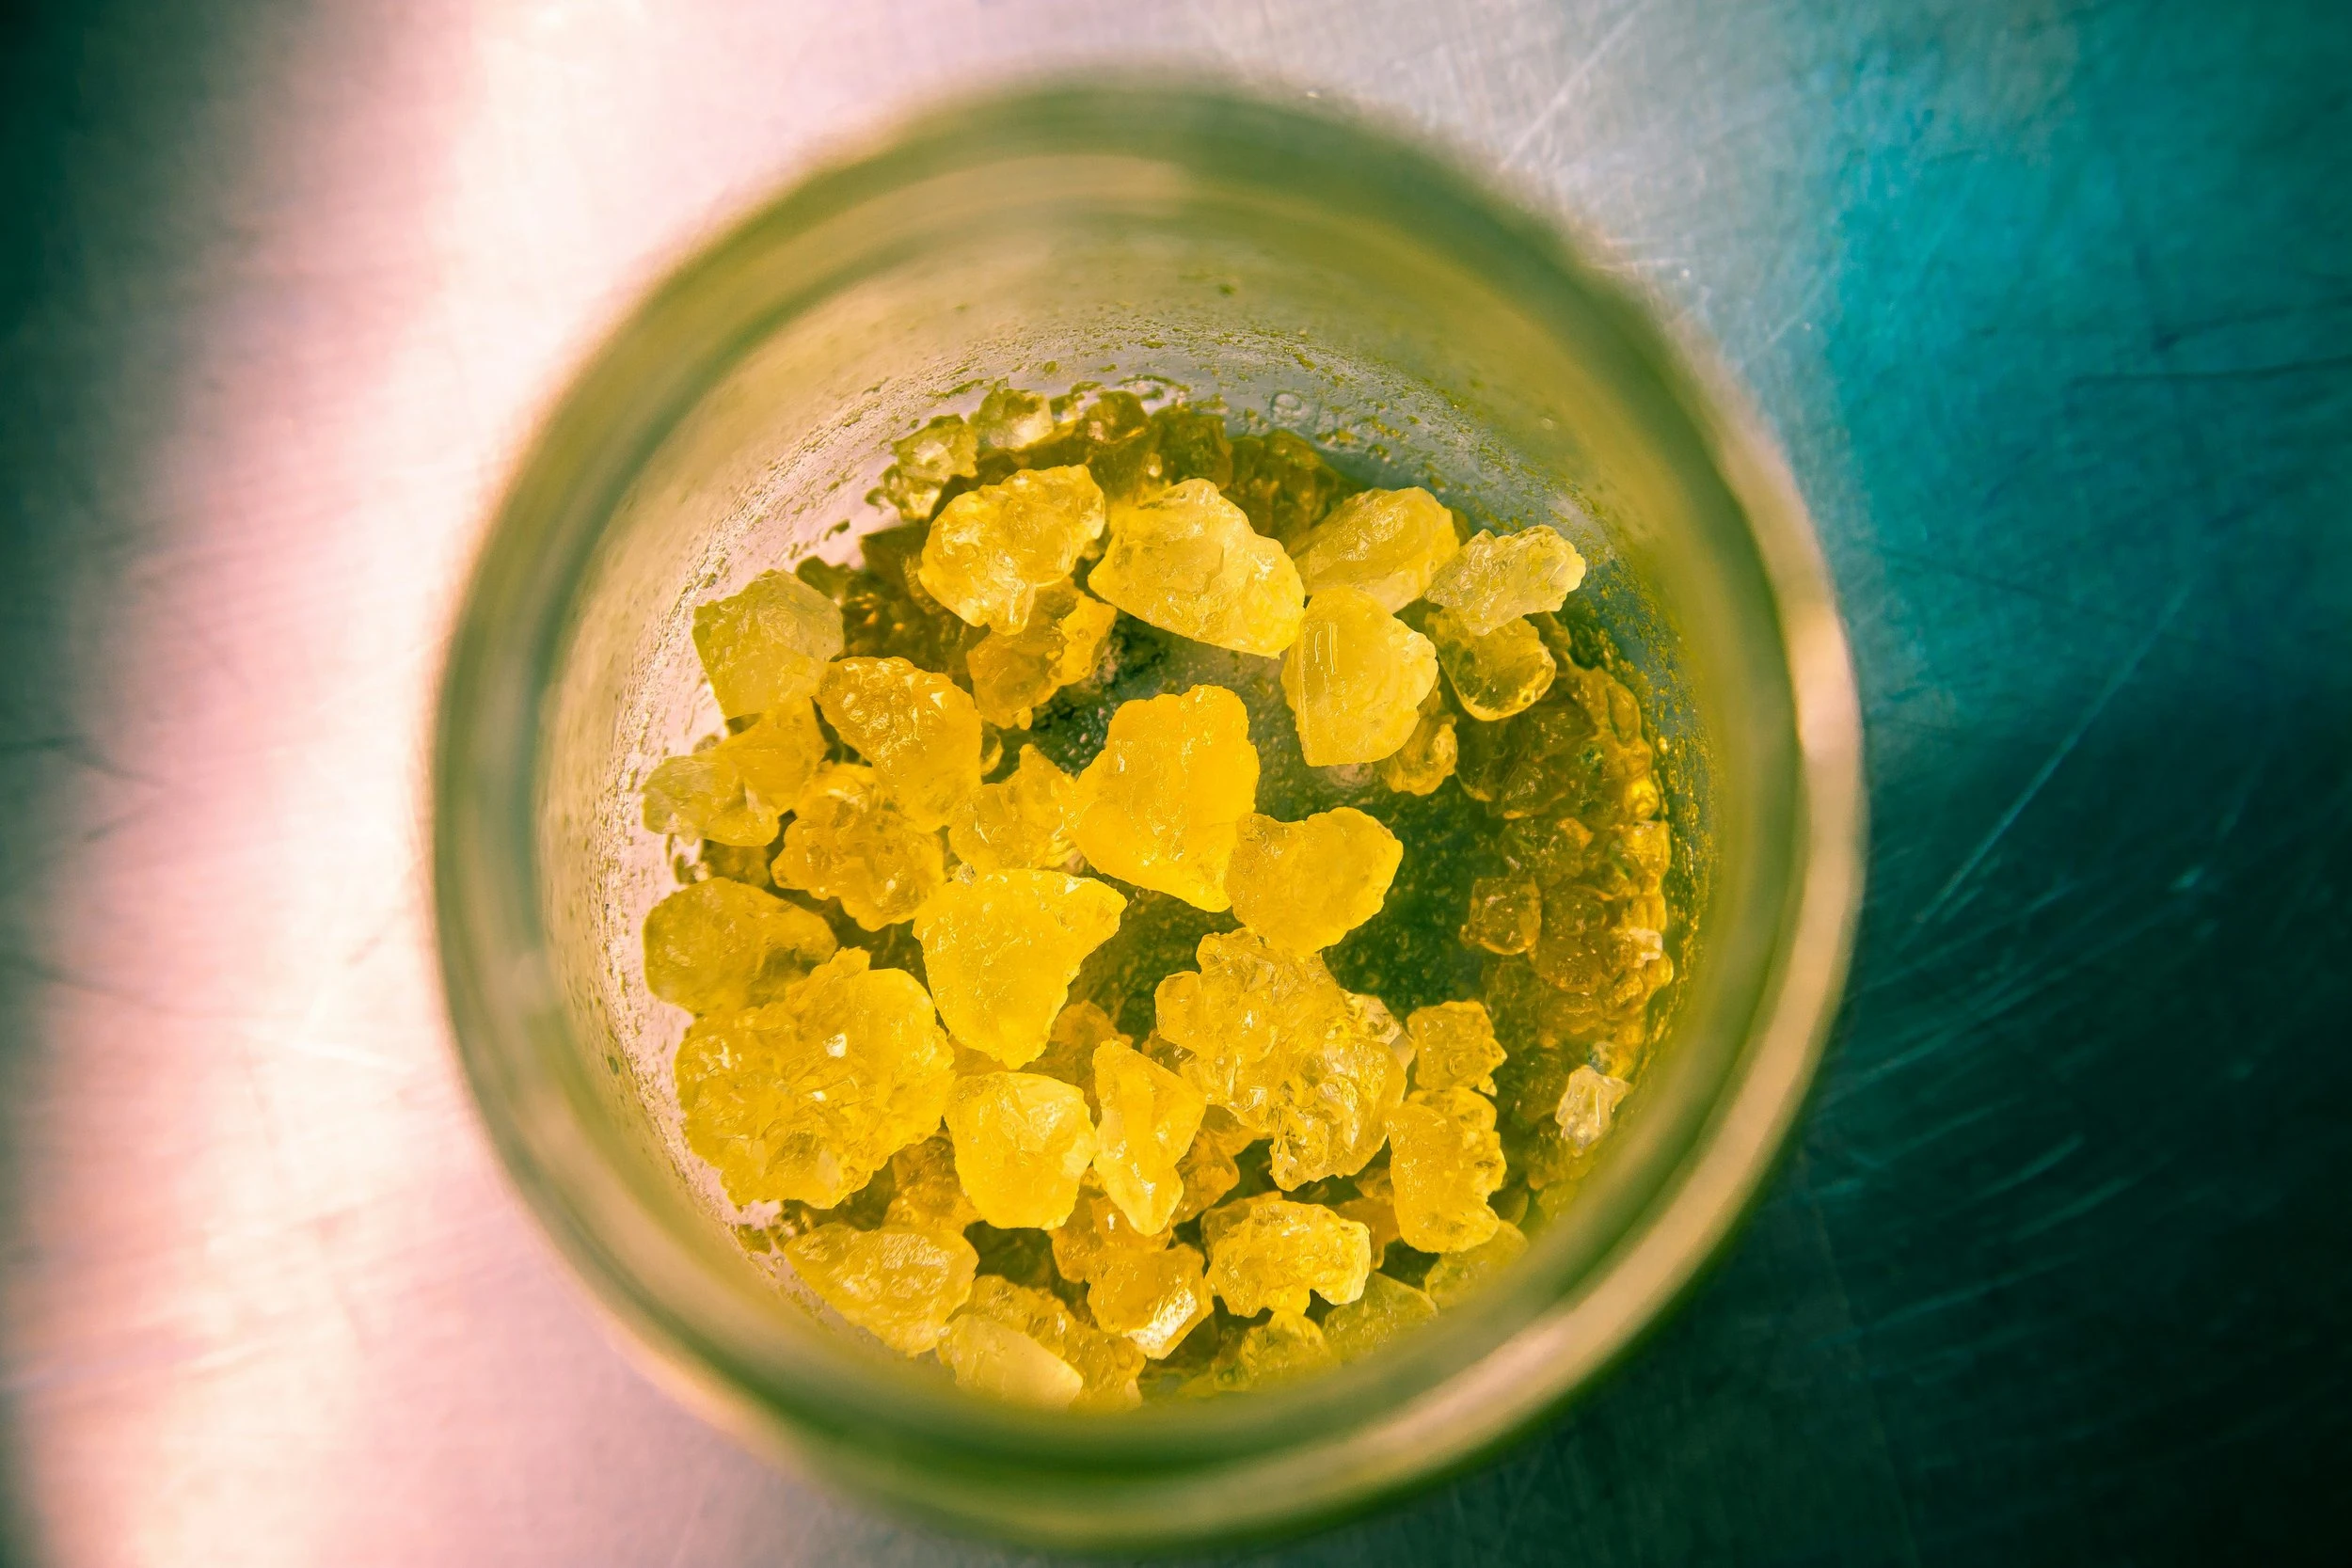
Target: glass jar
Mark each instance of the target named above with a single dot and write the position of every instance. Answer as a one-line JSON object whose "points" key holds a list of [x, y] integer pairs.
{"points": [[1354, 288]]}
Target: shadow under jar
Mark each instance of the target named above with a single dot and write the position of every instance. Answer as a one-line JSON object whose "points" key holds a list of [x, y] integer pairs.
{"points": [[1351, 288]]}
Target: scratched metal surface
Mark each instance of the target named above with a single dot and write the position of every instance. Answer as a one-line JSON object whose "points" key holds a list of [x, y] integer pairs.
{"points": [[2052, 307]]}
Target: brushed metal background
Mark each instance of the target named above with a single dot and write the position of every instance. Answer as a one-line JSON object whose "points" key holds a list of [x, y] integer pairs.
{"points": [[2052, 307]]}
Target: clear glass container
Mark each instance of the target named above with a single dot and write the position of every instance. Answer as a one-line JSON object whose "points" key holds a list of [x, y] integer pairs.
{"points": [[1354, 288]]}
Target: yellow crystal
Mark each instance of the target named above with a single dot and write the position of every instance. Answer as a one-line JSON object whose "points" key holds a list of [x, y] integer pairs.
{"points": [[1014, 671], [1290, 1052], [1021, 822], [765, 646], [1453, 1047], [1445, 1160], [1588, 1106], [1106, 1364], [1328, 1107], [1188, 561], [1389, 542], [943, 450], [1375, 1213], [1494, 580], [899, 1286], [1355, 679], [1285, 1346], [1097, 1233], [919, 729], [733, 793], [1147, 1121], [1304, 885], [1160, 804], [1153, 1299], [1002, 949], [1282, 484], [717, 946], [1459, 1274], [1274, 1253], [1494, 677], [1506, 914], [1244, 1006], [927, 1195], [1022, 1143], [807, 1097], [847, 841], [1070, 1046], [991, 550], [1428, 756], [1387, 1308], [996, 1359], [1208, 1171], [1009, 419]]}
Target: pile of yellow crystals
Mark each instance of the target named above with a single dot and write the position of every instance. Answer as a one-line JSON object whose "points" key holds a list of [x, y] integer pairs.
{"points": [[901, 1069]]}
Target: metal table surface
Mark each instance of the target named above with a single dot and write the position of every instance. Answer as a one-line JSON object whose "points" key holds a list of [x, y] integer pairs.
{"points": [[2052, 305]]}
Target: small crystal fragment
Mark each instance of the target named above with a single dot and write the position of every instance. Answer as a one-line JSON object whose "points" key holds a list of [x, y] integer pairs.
{"points": [[1097, 1232], [918, 730], [804, 1099], [927, 1195], [1284, 1346], [1023, 822], [733, 793], [1497, 579], [1078, 1030], [991, 550], [1160, 806], [1445, 1160], [1002, 949], [1556, 760], [1291, 1054], [1387, 1308], [1503, 673], [1389, 542], [1459, 1275], [766, 646], [1283, 485], [1149, 1117], [1355, 679], [1152, 1298], [1022, 1143], [1193, 445], [1327, 1110], [995, 1358], [1124, 447], [899, 1286], [1453, 1047], [1304, 885], [1549, 850], [1245, 1006], [1506, 914], [717, 946], [847, 841], [1209, 1172], [1275, 1252], [1013, 673], [1588, 1106], [943, 450], [1188, 561], [1107, 1364], [1009, 420], [1375, 1212], [1428, 756]]}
